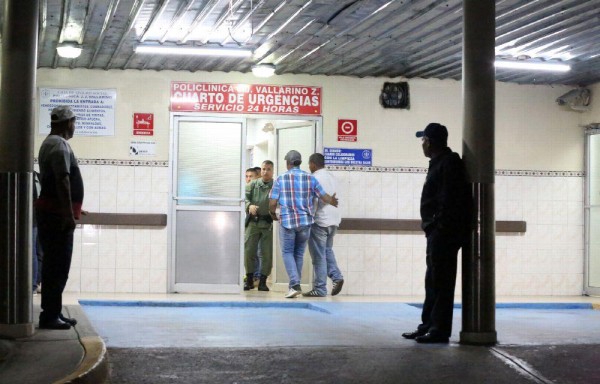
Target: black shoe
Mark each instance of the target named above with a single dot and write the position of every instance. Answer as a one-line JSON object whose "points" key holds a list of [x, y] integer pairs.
{"points": [[430, 338], [262, 284], [69, 320], [337, 287], [249, 283], [413, 335], [54, 324]]}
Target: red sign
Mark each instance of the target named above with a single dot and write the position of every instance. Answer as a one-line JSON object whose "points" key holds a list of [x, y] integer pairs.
{"points": [[143, 124], [245, 98], [347, 130]]}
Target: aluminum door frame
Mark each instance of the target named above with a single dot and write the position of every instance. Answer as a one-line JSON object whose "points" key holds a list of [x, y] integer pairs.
{"points": [[173, 208], [587, 289]]}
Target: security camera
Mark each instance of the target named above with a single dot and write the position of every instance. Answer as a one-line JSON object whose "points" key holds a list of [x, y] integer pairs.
{"points": [[576, 99]]}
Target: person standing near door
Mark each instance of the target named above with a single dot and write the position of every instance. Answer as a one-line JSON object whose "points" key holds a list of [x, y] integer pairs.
{"points": [[259, 229], [295, 191], [322, 232], [252, 174], [57, 208], [445, 216]]}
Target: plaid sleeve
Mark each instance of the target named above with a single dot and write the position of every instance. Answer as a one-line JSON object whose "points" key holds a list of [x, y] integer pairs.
{"points": [[274, 194]]}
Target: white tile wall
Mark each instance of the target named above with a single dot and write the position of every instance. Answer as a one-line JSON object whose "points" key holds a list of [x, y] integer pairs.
{"points": [[545, 260], [121, 258]]}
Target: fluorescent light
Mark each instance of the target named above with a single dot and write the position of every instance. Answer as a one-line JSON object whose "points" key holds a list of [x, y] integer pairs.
{"points": [[196, 51], [554, 67], [69, 50], [263, 70]]}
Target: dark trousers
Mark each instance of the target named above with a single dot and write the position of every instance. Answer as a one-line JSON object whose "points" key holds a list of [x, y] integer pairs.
{"points": [[440, 280], [58, 249]]}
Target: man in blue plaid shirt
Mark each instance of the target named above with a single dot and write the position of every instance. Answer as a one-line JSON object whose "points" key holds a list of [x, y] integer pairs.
{"points": [[295, 191]]}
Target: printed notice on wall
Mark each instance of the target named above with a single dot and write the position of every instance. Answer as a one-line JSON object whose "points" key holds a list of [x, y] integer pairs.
{"points": [[94, 108], [245, 98], [142, 148], [348, 156]]}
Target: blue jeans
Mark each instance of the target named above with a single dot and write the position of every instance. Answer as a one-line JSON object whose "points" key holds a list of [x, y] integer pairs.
{"points": [[320, 246], [293, 243]]}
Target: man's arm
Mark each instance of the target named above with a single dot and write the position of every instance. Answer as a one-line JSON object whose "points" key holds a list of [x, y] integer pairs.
{"points": [[250, 208], [332, 200], [273, 208], [63, 193]]}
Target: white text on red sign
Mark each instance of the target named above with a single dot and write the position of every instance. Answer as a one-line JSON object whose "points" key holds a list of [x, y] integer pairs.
{"points": [[245, 98]]}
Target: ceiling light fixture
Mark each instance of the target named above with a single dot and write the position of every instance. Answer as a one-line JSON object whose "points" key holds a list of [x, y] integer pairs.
{"points": [[69, 50], [263, 70], [552, 67], [195, 51]]}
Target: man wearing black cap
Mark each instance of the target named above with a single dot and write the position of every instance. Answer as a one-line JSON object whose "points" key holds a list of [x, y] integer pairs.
{"points": [[445, 207], [57, 208]]}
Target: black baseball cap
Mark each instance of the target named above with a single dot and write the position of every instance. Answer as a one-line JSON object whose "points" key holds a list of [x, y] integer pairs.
{"points": [[435, 132]]}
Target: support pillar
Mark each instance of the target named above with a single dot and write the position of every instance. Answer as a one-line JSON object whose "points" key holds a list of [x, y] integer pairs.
{"points": [[478, 258], [18, 70]]}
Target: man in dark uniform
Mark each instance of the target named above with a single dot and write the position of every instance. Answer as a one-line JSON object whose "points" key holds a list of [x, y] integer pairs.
{"points": [[57, 208], [445, 214]]}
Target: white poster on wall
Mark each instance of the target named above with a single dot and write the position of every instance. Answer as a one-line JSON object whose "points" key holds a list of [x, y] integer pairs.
{"points": [[142, 148], [94, 108]]}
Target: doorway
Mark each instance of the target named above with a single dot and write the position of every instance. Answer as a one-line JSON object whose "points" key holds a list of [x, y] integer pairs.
{"points": [[283, 136], [209, 157]]}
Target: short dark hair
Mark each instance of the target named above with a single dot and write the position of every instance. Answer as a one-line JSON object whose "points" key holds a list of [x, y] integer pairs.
{"points": [[268, 162], [317, 159], [253, 170], [257, 169]]}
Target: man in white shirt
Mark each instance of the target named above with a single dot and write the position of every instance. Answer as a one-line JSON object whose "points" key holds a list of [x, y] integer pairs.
{"points": [[327, 219]]}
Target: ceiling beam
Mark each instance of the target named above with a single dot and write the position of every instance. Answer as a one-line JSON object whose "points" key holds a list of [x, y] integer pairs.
{"points": [[136, 9], [112, 8]]}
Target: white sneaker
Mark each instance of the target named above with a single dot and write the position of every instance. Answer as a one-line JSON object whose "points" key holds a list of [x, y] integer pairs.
{"points": [[292, 293]]}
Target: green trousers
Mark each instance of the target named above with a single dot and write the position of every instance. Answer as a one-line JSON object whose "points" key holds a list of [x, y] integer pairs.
{"points": [[255, 234]]}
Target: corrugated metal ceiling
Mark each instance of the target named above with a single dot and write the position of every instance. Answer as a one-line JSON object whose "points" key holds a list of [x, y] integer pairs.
{"points": [[420, 38]]}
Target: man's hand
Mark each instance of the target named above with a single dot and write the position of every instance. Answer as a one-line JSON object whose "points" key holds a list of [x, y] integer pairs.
{"points": [[253, 210], [334, 201]]}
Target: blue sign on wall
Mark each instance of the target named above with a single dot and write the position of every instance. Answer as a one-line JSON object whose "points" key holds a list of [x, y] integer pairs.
{"points": [[348, 156]]}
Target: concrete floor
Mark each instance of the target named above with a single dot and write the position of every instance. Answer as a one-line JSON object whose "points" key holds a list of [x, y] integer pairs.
{"points": [[310, 323], [269, 340]]}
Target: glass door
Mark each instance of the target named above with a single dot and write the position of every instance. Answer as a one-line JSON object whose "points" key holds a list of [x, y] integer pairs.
{"points": [[301, 137], [592, 213], [208, 204]]}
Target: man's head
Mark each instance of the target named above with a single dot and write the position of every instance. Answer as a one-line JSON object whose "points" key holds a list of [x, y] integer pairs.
{"points": [[266, 171], [316, 161], [293, 159], [434, 137], [62, 121], [251, 175]]}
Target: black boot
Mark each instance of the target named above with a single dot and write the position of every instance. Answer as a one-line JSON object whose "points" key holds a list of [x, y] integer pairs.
{"points": [[249, 284], [262, 285]]}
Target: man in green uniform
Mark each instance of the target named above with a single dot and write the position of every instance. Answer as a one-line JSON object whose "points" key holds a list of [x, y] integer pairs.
{"points": [[259, 227]]}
